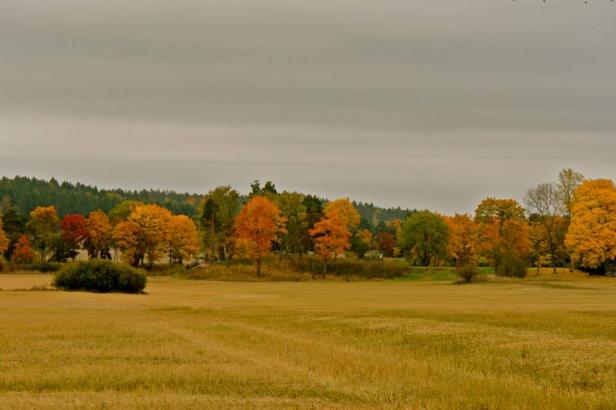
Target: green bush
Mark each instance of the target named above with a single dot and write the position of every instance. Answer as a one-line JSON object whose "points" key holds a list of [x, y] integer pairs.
{"points": [[100, 276]]}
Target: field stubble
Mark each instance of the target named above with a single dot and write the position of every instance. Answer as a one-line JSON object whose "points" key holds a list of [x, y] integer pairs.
{"points": [[533, 343]]}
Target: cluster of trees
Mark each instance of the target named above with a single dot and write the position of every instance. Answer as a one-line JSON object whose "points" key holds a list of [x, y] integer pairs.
{"points": [[289, 223], [142, 234], [569, 222]]}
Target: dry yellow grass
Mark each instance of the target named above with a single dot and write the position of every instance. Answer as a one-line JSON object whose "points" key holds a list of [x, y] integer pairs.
{"points": [[197, 344]]}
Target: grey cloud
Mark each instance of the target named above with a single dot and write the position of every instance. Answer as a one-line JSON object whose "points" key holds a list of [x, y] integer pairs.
{"points": [[410, 102]]}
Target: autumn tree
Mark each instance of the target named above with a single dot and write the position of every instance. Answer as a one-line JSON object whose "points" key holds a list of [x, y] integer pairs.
{"points": [[592, 233], [425, 235], [23, 252], [504, 227], [4, 240], [344, 210], [386, 234], [216, 218], [14, 226], [331, 236], [43, 226], [465, 245], [125, 237], [539, 249], [74, 232], [183, 239], [99, 237], [386, 242], [257, 227], [153, 226]]}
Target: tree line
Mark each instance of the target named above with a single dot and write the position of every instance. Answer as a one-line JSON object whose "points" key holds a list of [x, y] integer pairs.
{"points": [[568, 222], [24, 194]]}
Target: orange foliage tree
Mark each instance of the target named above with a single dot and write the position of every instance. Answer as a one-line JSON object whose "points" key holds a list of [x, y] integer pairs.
{"points": [[23, 252], [592, 233], [257, 227], [331, 236], [99, 235], [466, 243], [503, 224], [126, 238], [183, 239]]}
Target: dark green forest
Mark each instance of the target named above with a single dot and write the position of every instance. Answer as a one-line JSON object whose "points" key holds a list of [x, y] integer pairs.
{"points": [[24, 194]]}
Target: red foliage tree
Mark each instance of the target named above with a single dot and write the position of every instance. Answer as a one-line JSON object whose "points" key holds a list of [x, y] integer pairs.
{"points": [[74, 232], [23, 252]]}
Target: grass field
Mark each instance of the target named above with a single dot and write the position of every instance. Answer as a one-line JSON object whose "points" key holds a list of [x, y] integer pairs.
{"points": [[536, 343]]}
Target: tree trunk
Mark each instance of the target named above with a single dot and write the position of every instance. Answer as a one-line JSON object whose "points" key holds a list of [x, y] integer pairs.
{"points": [[259, 267]]}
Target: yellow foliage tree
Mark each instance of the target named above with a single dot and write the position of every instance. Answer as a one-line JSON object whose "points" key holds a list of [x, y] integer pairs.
{"points": [[4, 241], [345, 212], [145, 234], [126, 238], [366, 237], [592, 233], [183, 239], [154, 224]]}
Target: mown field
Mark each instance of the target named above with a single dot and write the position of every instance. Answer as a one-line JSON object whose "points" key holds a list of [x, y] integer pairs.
{"points": [[536, 343]]}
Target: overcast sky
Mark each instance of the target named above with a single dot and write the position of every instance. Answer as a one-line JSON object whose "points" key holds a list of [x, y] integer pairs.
{"points": [[418, 103]]}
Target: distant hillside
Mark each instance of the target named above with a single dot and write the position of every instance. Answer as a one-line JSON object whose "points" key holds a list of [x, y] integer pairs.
{"points": [[374, 215], [25, 194]]}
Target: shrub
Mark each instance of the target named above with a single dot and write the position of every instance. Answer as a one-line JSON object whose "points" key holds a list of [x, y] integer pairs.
{"points": [[467, 273], [100, 276]]}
